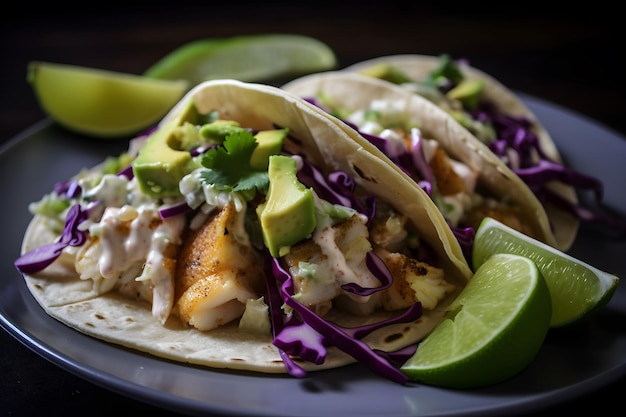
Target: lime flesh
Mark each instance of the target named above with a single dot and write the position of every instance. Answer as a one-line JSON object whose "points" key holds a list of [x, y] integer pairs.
{"points": [[491, 332], [251, 58], [577, 288], [102, 103]]}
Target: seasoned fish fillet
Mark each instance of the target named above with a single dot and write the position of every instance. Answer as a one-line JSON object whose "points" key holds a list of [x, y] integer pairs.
{"points": [[413, 281], [216, 274], [336, 256]]}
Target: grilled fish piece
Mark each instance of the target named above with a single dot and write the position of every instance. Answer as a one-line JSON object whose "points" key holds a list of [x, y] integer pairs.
{"points": [[216, 272], [413, 281]]}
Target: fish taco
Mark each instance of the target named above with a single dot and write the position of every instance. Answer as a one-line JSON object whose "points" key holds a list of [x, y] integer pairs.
{"points": [[465, 180], [497, 117], [246, 232]]}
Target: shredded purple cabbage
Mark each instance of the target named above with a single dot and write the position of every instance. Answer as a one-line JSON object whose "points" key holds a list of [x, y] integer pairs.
{"points": [[173, 211], [419, 160], [545, 171], [465, 237], [279, 320], [515, 134], [127, 172], [39, 258], [67, 189], [399, 357], [302, 341], [378, 269], [311, 346], [337, 188]]}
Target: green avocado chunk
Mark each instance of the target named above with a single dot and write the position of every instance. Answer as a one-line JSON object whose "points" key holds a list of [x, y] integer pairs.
{"points": [[270, 142], [288, 214], [387, 73], [218, 130], [467, 92], [161, 165]]}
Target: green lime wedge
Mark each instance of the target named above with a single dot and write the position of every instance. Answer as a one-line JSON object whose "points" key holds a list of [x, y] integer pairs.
{"points": [[252, 58], [101, 103], [577, 288], [491, 332]]}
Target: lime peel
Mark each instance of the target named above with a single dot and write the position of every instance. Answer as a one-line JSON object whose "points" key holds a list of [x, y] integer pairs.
{"points": [[101, 103], [491, 332], [577, 289], [250, 58]]}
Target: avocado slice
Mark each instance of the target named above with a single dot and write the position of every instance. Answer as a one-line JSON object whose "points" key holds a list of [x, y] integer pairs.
{"points": [[160, 165], [387, 73], [217, 130], [467, 92], [270, 142], [288, 214]]}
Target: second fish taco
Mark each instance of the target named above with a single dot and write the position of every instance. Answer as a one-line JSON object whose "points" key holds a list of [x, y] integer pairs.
{"points": [[466, 181], [246, 232], [497, 117]]}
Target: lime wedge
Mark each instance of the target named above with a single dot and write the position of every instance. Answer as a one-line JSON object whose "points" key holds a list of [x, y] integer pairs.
{"points": [[491, 332], [252, 58], [577, 288], [102, 103]]}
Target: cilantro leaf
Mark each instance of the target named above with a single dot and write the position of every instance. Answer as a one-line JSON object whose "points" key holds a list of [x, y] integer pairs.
{"points": [[229, 165]]}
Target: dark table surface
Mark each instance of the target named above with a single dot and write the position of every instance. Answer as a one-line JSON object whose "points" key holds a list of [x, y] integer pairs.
{"points": [[570, 57]]}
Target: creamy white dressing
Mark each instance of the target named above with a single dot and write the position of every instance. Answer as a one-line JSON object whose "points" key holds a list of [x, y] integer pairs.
{"points": [[124, 235], [128, 241], [155, 270], [334, 260], [110, 191], [198, 194]]}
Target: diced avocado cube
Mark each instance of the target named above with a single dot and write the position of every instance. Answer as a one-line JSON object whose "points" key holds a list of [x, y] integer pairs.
{"points": [[388, 73], [160, 166], [218, 130], [288, 214], [467, 92], [270, 142]]}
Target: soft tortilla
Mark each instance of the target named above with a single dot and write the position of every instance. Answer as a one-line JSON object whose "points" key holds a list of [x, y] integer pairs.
{"points": [[129, 323], [418, 67]]}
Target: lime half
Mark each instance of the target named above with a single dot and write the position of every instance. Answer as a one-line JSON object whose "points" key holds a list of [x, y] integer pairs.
{"points": [[576, 288], [252, 58], [102, 103], [491, 332]]}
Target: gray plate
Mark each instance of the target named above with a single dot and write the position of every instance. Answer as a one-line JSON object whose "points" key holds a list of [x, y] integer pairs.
{"points": [[571, 363]]}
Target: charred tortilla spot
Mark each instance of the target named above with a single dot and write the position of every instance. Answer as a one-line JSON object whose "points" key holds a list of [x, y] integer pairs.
{"points": [[393, 337], [361, 174]]}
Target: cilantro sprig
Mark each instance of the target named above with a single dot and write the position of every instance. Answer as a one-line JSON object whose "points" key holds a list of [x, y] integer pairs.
{"points": [[229, 165]]}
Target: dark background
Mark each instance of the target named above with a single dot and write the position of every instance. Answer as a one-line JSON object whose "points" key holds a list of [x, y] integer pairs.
{"points": [[571, 56]]}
